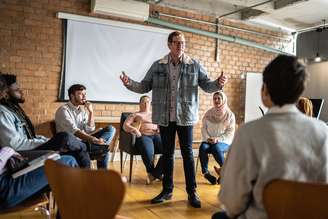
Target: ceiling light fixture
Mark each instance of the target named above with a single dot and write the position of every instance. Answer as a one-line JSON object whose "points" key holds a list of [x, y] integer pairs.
{"points": [[319, 30], [317, 57]]}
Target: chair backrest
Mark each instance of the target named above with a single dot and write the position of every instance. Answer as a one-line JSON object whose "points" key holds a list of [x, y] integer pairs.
{"points": [[124, 115], [126, 140], [285, 199], [53, 127], [85, 193]]}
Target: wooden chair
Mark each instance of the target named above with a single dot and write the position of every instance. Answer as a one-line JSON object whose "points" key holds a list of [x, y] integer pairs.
{"points": [[38, 203], [85, 193], [285, 199]]}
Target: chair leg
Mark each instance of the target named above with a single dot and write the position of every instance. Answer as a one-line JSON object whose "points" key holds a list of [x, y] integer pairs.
{"points": [[115, 149], [131, 164], [197, 163], [48, 205], [51, 204], [136, 158], [121, 161], [126, 157], [44, 211]]}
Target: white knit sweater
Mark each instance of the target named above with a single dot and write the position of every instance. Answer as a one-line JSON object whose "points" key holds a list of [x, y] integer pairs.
{"points": [[283, 144], [225, 133]]}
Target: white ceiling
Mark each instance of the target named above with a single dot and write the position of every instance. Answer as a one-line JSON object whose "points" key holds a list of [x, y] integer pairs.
{"points": [[290, 15]]}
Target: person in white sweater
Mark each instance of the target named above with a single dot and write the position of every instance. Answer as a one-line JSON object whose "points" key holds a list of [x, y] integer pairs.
{"points": [[283, 144], [217, 133]]}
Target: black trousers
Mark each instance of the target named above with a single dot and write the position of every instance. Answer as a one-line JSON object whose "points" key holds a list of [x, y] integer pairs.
{"points": [[185, 139], [68, 144]]}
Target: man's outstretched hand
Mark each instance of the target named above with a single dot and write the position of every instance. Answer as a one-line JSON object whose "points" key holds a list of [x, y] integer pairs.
{"points": [[124, 78], [222, 80]]}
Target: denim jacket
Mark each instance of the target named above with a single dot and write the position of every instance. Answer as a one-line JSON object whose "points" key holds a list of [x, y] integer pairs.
{"points": [[192, 75], [12, 132]]}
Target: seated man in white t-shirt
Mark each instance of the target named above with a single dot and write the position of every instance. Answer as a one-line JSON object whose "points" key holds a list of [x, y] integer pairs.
{"points": [[76, 117]]}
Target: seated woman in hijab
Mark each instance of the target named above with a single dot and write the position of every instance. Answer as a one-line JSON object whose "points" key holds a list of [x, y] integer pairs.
{"points": [[217, 133], [148, 140]]}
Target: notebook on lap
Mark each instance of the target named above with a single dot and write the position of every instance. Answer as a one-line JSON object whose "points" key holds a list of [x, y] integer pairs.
{"points": [[35, 160]]}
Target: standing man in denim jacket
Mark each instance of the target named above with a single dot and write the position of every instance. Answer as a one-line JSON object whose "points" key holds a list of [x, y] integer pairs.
{"points": [[174, 81]]}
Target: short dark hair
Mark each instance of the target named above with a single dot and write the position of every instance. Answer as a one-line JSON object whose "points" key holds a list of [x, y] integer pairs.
{"points": [[9, 79], [75, 87], [174, 34], [3, 84], [142, 97], [285, 79]]}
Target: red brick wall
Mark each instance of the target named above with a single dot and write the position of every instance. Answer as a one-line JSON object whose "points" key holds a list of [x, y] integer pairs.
{"points": [[31, 48]]}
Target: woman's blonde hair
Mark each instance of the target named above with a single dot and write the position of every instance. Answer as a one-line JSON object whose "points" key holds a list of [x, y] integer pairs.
{"points": [[305, 106]]}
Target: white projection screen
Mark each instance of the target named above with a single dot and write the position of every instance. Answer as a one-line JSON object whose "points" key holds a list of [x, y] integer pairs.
{"points": [[96, 54]]}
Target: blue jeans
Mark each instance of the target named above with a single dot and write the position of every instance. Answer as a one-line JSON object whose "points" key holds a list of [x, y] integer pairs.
{"points": [[107, 134], [148, 146], [185, 139], [217, 150], [15, 191], [69, 143]]}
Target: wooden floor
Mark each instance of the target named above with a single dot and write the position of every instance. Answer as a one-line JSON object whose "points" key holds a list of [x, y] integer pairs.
{"points": [[137, 199]]}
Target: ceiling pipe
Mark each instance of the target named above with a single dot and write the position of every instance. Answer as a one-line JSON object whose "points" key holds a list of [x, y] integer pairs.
{"points": [[157, 14], [150, 1], [324, 26], [232, 39], [246, 8]]}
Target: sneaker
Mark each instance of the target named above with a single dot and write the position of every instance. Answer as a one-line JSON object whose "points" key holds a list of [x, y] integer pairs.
{"points": [[194, 200], [210, 178], [158, 176], [217, 170], [162, 197], [218, 180], [150, 178]]}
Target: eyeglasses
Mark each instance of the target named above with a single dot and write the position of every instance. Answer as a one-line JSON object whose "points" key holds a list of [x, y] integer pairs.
{"points": [[178, 42]]}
